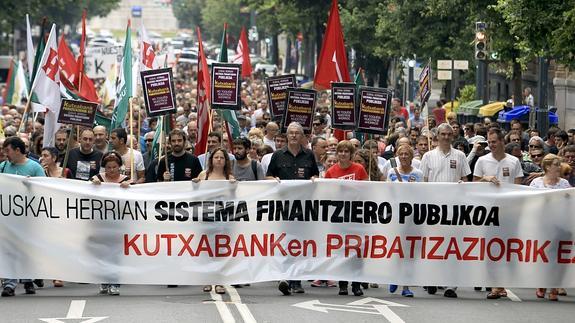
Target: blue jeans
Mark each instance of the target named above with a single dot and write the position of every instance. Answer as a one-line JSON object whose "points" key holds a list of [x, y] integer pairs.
{"points": [[12, 283]]}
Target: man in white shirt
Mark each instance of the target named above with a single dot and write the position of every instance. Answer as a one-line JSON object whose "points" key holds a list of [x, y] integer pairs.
{"points": [[271, 131], [447, 165], [119, 139], [497, 167]]}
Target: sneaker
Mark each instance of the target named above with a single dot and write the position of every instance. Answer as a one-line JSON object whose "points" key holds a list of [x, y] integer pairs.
{"points": [[29, 288], [406, 293], [392, 288], [331, 283], [7, 292], [39, 282], [343, 291], [450, 293], [431, 290], [172, 286], [356, 290], [365, 285], [103, 289], [284, 288], [477, 289], [316, 283], [113, 290], [297, 288]]}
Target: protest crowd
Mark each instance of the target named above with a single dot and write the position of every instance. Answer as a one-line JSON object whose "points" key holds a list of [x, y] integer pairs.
{"points": [[416, 147]]}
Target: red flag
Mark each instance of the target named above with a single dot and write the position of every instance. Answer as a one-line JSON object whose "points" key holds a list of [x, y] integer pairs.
{"points": [[88, 90], [68, 67], [82, 51], [203, 99], [332, 63], [243, 54]]}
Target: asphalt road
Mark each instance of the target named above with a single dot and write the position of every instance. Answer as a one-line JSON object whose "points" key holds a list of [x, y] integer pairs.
{"points": [[263, 303]]}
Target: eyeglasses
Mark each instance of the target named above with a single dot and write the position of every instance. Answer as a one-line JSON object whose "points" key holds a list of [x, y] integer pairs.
{"points": [[149, 140], [535, 146], [537, 156]]}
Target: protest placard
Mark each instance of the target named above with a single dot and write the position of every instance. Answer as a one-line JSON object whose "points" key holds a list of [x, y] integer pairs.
{"points": [[277, 91], [226, 80], [81, 113], [343, 98], [300, 107], [373, 109], [159, 94]]}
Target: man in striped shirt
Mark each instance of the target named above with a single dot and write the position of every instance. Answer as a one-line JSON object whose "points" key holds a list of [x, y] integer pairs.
{"points": [[447, 165]]}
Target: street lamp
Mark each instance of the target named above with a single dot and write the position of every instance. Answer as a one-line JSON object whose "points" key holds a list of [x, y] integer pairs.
{"points": [[410, 92]]}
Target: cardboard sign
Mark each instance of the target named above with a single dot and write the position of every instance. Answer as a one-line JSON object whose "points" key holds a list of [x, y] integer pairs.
{"points": [[159, 94], [99, 61], [300, 108], [373, 109], [81, 113], [277, 92], [343, 98], [226, 80]]}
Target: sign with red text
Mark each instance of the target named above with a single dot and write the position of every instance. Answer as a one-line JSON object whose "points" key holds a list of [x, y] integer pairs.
{"points": [[373, 109], [300, 108], [215, 231], [81, 113], [277, 92], [226, 79], [159, 94], [343, 98]]}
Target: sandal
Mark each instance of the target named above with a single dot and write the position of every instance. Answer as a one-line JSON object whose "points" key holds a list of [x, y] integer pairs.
{"points": [[220, 289], [58, 283], [561, 292], [553, 297], [540, 292], [207, 288], [493, 295], [503, 293]]}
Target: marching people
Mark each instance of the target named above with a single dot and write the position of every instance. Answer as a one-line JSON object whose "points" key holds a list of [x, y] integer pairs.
{"points": [[244, 168], [119, 141], [84, 161], [181, 164], [111, 163]]}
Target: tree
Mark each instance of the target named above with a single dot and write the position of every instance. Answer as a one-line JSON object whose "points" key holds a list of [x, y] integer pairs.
{"points": [[188, 12], [217, 12]]}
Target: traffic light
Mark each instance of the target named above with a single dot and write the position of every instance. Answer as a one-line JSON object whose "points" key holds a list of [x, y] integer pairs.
{"points": [[480, 41]]}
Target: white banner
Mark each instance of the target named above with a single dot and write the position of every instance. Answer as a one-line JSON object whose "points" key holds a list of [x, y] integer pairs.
{"points": [[99, 60], [470, 234]]}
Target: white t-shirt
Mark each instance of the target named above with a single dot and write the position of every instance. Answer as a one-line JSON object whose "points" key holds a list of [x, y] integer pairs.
{"points": [[387, 166], [506, 170], [266, 162], [539, 183], [440, 167], [270, 142], [138, 161]]}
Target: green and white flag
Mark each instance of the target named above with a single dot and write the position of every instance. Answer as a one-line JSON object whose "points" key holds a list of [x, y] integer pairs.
{"points": [[18, 85], [228, 115], [124, 84]]}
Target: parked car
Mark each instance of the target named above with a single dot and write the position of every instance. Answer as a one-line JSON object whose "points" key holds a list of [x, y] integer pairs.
{"points": [[267, 68]]}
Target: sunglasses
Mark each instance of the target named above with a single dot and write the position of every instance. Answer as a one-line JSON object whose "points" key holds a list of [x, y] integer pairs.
{"points": [[149, 140], [535, 146], [537, 156]]}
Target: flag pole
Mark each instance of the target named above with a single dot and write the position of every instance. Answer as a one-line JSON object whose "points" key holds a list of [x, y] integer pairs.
{"points": [[131, 139], [166, 120], [67, 153]]}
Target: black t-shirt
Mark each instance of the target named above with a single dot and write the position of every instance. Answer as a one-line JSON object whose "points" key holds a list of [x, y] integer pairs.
{"points": [[84, 166], [284, 165], [182, 168]]}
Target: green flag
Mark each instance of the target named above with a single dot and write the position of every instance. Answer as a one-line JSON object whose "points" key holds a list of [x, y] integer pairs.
{"points": [[228, 115], [359, 81], [156, 141], [124, 84]]}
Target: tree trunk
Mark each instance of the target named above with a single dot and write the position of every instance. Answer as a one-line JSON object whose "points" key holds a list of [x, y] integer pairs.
{"points": [[517, 84], [275, 50]]}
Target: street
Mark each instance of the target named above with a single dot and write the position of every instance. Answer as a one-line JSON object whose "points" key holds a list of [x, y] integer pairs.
{"points": [[263, 303]]}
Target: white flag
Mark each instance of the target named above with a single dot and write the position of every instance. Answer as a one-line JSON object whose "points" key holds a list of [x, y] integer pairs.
{"points": [[29, 48], [147, 55], [46, 87]]}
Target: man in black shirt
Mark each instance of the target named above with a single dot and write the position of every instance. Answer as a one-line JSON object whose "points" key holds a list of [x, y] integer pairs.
{"points": [[182, 165], [293, 162], [84, 161]]}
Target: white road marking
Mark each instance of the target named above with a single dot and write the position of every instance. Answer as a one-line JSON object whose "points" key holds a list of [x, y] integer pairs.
{"points": [[367, 305], [75, 312], [247, 316], [512, 296], [388, 314], [223, 309]]}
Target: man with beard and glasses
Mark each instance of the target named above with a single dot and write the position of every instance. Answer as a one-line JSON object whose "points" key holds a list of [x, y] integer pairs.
{"points": [[182, 165], [244, 168]]}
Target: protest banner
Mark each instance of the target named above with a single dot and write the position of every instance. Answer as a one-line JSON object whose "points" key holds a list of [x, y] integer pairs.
{"points": [[159, 93], [225, 88], [300, 108], [81, 113], [373, 109], [277, 92], [220, 232], [100, 60], [343, 97]]}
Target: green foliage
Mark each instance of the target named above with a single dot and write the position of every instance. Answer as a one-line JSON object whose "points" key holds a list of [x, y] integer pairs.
{"points": [[218, 12], [188, 12], [466, 94]]}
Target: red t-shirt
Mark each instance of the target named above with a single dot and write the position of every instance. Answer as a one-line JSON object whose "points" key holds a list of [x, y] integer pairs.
{"points": [[403, 112], [353, 172]]}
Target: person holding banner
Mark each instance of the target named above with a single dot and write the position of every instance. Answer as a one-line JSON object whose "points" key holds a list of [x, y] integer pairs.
{"points": [[119, 140], [346, 169], [445, 164], [182, 165], [111, 162], [293, 161], [369, 163], [84, 161], [18, 164]]}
